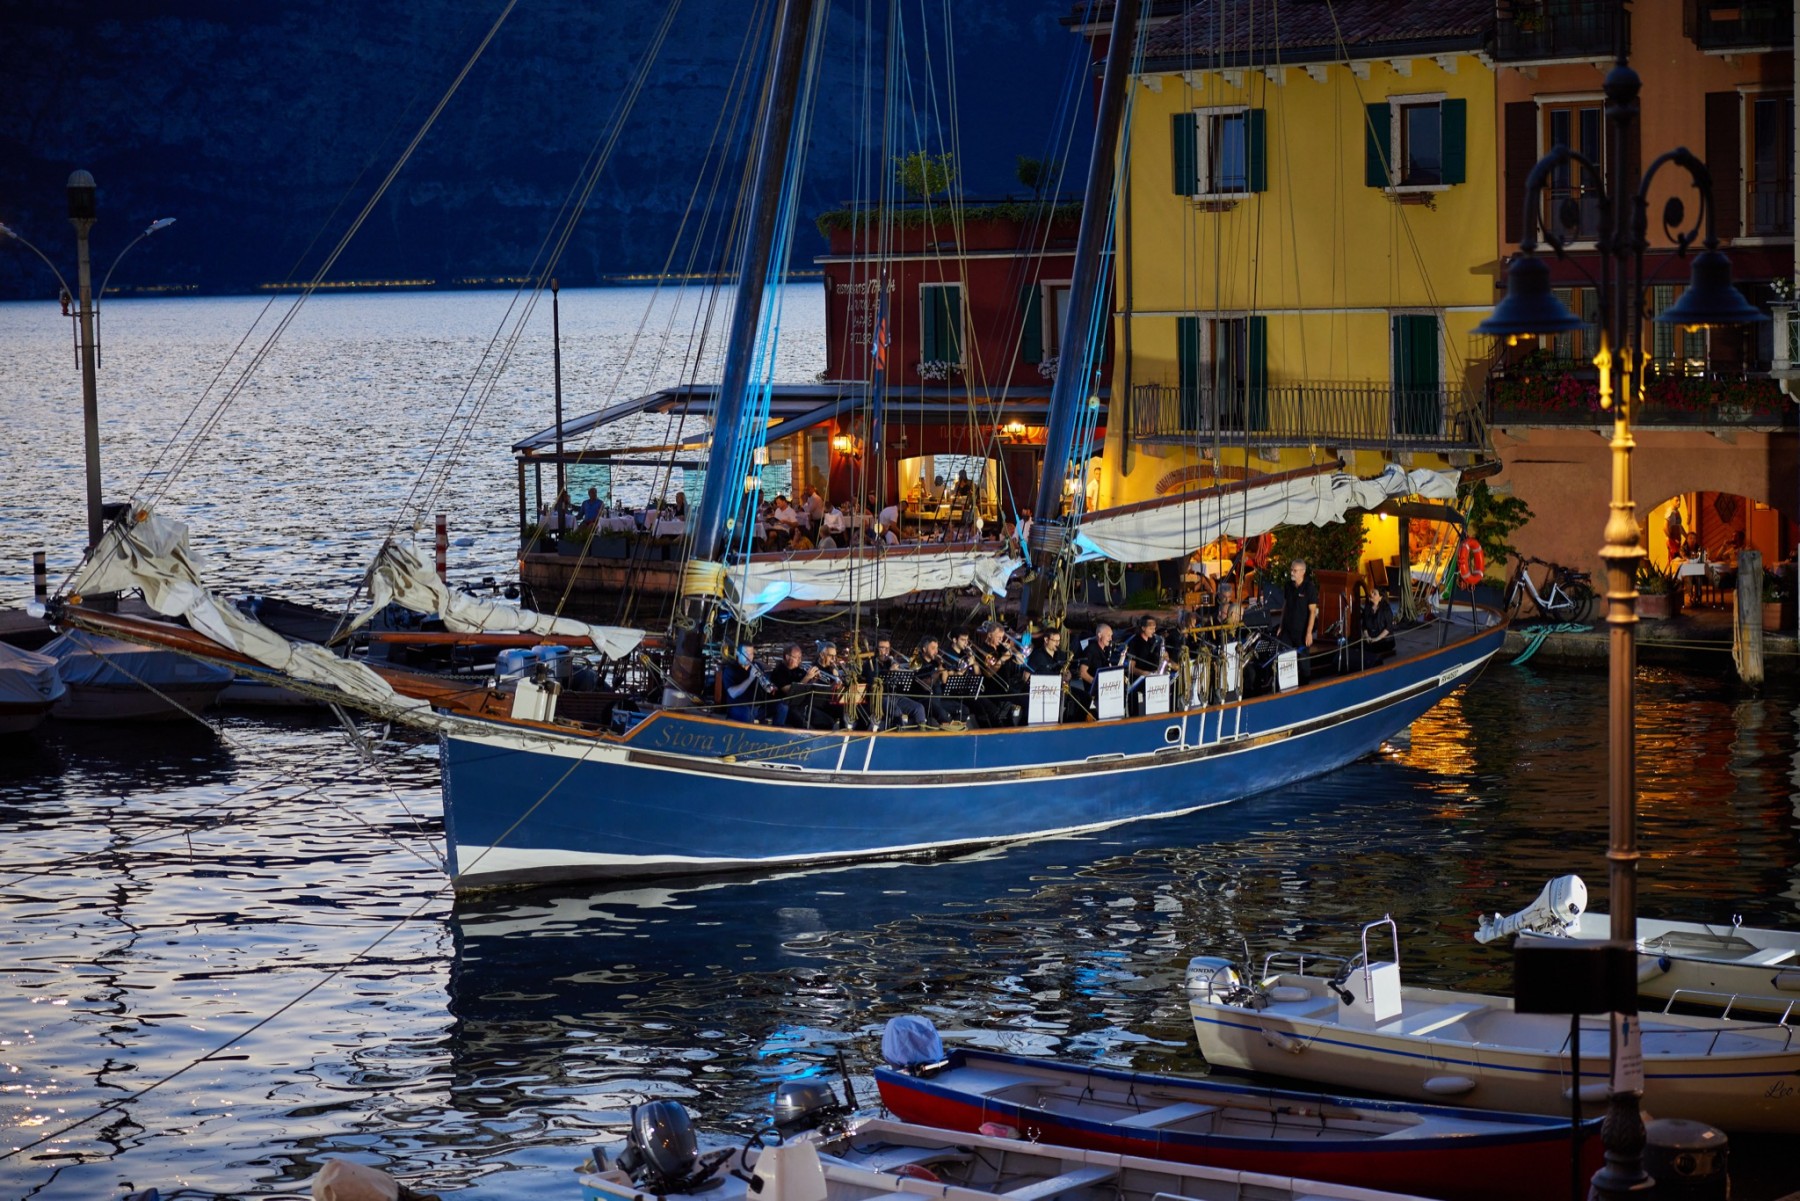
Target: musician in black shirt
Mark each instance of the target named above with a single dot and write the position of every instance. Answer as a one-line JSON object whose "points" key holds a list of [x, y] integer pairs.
{"points": [[1375, 623], [1300, 614], [897, 707], [784, 679], [1100, 654], [1145, 655]]}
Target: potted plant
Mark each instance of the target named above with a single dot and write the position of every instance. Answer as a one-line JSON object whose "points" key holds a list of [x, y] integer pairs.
{"points": [[574, 543], [1774, 592], [1659, 593]]}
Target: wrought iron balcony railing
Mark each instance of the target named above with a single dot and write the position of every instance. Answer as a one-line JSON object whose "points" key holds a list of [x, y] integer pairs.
{"points": [[1677, 393], [1739, 24], [1365, 416], [1545, 30]]}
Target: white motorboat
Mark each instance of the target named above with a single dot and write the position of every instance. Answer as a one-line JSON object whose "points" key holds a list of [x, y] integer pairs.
{"points": [[110, 680], [874, 1157], [29, 686], [1352, 1023], [1730, 967]]}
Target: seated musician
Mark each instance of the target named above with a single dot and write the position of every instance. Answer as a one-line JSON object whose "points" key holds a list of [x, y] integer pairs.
{"points": [[784, 680], [1375, 624], [930, 677], [1100, 654], [747, 689], [1145, 655], [816, 702], [1048, 658], [898, 706], [1001, 701]]}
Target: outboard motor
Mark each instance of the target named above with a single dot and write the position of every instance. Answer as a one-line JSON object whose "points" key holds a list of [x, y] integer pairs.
{"points": [[806, 1105], [1213, 980], [911, 1044], [661, 1154], [1555, 912]]}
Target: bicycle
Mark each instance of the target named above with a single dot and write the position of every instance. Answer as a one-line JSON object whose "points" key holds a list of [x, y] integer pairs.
{"points": [[1568, 594]]}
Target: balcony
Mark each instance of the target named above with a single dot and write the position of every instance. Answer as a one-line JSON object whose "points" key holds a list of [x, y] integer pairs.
{"points": [[1343, 416], [1678, 394], [1528, 31], [1739, 24]]}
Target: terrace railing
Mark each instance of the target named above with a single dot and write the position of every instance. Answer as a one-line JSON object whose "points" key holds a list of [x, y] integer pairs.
{"points": [[1546, 30], [1676, 395], [1739, 24], [1361, 416]]}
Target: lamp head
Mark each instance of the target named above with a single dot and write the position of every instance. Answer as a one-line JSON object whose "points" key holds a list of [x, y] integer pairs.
{"points": [[82, 191], [159, 223], [1711, 298], [1529, 306]]}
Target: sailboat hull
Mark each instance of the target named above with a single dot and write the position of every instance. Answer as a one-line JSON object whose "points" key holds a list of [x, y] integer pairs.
{"points": [[684, 793]]}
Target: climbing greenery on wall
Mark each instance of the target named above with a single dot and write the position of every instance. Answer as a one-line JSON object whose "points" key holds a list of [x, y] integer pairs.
{"points": [[1492, 517]]}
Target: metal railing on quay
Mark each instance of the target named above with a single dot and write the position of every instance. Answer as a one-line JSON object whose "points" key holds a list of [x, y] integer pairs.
{"points": [[1360, 416]]}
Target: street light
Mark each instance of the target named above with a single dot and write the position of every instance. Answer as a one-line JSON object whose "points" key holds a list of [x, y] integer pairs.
{"points": [[1530, 307], [83, 196]]}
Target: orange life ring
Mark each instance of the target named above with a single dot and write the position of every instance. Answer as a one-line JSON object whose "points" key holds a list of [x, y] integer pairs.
{"points": [[1471, 562]]}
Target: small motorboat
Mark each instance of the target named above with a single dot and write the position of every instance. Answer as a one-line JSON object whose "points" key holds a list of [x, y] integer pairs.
{"points": [[867, 1158], [109, 680], [1350, 1022], [29, 686], [1733, 967], [1434, 1149]]}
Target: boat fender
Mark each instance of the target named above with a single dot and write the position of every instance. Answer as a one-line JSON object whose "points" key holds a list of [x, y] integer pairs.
{"points": [[1283, 1042], [1289, 993], [1592, 1094], [343, 1180], [1650, 969], [997, 1130], [1787, 981], [1449, 1086]]}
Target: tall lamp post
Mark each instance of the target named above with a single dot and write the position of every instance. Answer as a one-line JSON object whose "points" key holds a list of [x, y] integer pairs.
{"points": [[1530, 307], [83, 212]]}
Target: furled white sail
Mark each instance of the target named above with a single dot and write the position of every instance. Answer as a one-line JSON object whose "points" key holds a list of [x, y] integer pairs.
{"points": [[758, 584], [1182, 525], [151, 553], [400, 575]]}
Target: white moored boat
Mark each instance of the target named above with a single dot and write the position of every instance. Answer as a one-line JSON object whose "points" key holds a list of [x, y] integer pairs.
{"points": [[1352, 1023], [1733, 967]]}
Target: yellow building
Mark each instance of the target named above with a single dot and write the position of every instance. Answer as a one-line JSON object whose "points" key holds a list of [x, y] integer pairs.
{"points": [[1305, 242]]}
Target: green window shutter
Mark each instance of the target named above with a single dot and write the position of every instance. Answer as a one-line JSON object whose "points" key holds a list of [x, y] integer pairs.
{"points": [[1256, 372], [1253, 150], [952, 317], [929, 331], [1187, 154], [1376, 153], [1031, 332], [1187, 361], [1454, 116]]}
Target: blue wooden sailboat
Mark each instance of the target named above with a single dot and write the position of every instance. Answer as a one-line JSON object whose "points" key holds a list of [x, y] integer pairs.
{"points": [[535, 790]]}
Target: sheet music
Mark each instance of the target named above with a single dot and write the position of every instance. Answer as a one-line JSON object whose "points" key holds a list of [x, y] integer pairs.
{"points": [[1109, 694], [1046, 700]]}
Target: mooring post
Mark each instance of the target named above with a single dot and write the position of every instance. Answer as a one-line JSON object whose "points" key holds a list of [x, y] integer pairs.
{"points": [[1747, 627], [443, 547], [40, 576]]}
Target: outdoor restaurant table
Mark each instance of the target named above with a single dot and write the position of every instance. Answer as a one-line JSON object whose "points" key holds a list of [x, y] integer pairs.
{"points": [[1704, 573], [669, 527], [618, 525]]}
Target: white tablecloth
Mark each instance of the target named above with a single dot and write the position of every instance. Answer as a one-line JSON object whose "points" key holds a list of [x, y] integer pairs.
{"points": [[1696, 568], [670, 528], [618, 525]]}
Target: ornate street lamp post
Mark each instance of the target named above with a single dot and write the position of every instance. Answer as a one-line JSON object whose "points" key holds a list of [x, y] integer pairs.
{"points": [[83, 212], [1530, 307]]}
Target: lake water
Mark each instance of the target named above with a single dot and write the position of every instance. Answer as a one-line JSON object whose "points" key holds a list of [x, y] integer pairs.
{"points": [[164, 890]]}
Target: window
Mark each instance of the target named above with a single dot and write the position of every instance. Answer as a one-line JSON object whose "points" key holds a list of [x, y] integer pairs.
{"points": [[1219, 152], [1574, 191], [1673, 350], [941, 323], [1577, 347], [1415, 142], [1223, 372], [1043, 310], [1769, 165]]}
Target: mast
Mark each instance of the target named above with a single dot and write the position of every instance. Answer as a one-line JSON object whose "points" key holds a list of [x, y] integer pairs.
{"points": [[722, 490], [1069, 393]]}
